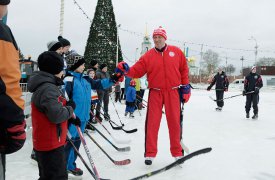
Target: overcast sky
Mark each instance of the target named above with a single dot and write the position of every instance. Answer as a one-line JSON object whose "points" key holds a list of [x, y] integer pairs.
{"points": [[223, 23]]}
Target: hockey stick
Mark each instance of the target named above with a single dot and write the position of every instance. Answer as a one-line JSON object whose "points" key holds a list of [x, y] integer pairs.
{"points": [[119, 163], [251, 92], [138, 110], [176, 163], [116, 140], [116, 110], [117, 127], [127, 131], [124, 149], [81, 158], [87, 152], [184, 147]]}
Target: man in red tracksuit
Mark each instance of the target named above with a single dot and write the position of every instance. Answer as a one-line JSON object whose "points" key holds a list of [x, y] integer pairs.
{"points": [[167, 73]]}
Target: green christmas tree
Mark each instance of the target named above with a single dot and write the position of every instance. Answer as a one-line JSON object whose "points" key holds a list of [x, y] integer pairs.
{"points": [[102, 41]]}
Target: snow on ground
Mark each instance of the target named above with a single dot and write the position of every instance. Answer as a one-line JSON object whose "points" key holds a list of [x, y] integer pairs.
{"points": [[243, 149]]}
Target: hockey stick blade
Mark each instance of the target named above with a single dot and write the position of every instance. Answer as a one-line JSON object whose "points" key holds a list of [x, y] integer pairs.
{"points": [[130, 131], [120, 163], [127, 131], [176, 163], [124, 149]]}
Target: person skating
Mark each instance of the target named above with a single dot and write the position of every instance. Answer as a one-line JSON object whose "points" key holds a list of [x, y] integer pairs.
{"points": [[131, 99], [252, 83], [222, 83], [50, 112], [167, 74], [12, 120]]}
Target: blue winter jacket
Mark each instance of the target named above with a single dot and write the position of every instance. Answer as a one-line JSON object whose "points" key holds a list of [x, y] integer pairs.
{"points": [[131, 94], [78, 88]]}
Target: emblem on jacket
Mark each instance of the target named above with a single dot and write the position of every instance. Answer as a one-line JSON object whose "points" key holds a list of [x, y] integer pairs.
{"points": [[255, 77], [171, 54], [222, 76]]}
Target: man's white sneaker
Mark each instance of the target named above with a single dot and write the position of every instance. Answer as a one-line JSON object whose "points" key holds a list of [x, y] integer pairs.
{"points": [[148, 160]]}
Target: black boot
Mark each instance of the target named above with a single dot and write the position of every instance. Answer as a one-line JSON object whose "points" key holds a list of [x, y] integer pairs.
{"points": [[106, 116], [89, 127], [247, 115], [98, 117], [255, 116]]}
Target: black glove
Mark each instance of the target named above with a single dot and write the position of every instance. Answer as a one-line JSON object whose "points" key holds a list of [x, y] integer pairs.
{"points": [[208, 88], [256, 91], [244, 92], [71, 103], [76, 121], [117, 77], [12, 138]]}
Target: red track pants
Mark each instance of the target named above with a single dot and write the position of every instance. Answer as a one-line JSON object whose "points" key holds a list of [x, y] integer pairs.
{"points": [[171, 101]]}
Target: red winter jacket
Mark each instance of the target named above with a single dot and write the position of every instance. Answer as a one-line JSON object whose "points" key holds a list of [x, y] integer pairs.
{"points": [[49, 112], [165, 70]]}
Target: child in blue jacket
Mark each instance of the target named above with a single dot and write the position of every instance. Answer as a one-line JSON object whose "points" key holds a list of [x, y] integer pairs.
{"points": [[130, 99]]}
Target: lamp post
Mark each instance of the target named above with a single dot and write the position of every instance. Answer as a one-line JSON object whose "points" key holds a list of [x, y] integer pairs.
{"points": [[117, 43], [136, 55], [61, 23], [225, 61], [256, 48], [242, 59]]}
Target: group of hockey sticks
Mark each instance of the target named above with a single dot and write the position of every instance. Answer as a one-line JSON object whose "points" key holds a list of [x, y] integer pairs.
{"points": [[116, 128], [114, 125], [120, 163], [94, 172]]}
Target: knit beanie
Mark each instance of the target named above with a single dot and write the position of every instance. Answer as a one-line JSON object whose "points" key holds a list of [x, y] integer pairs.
{"points": [[54, 45], [50, 62], [4, 2], [93, 62], [63, 41], [253, 67], [77, 64], [103, 66], [161, 32]]}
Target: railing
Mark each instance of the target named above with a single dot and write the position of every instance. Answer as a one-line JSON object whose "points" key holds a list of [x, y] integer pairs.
{"points": [[24, 87]]}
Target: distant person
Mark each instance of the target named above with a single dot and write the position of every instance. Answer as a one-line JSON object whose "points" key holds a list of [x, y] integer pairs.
{"points": [[94, 100], [252, 85], [117, 92], [122, 87], [103, 95], [222, 83], [55, 46], [94, 65], [66, 45], [130, 99], [12, 119]]}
